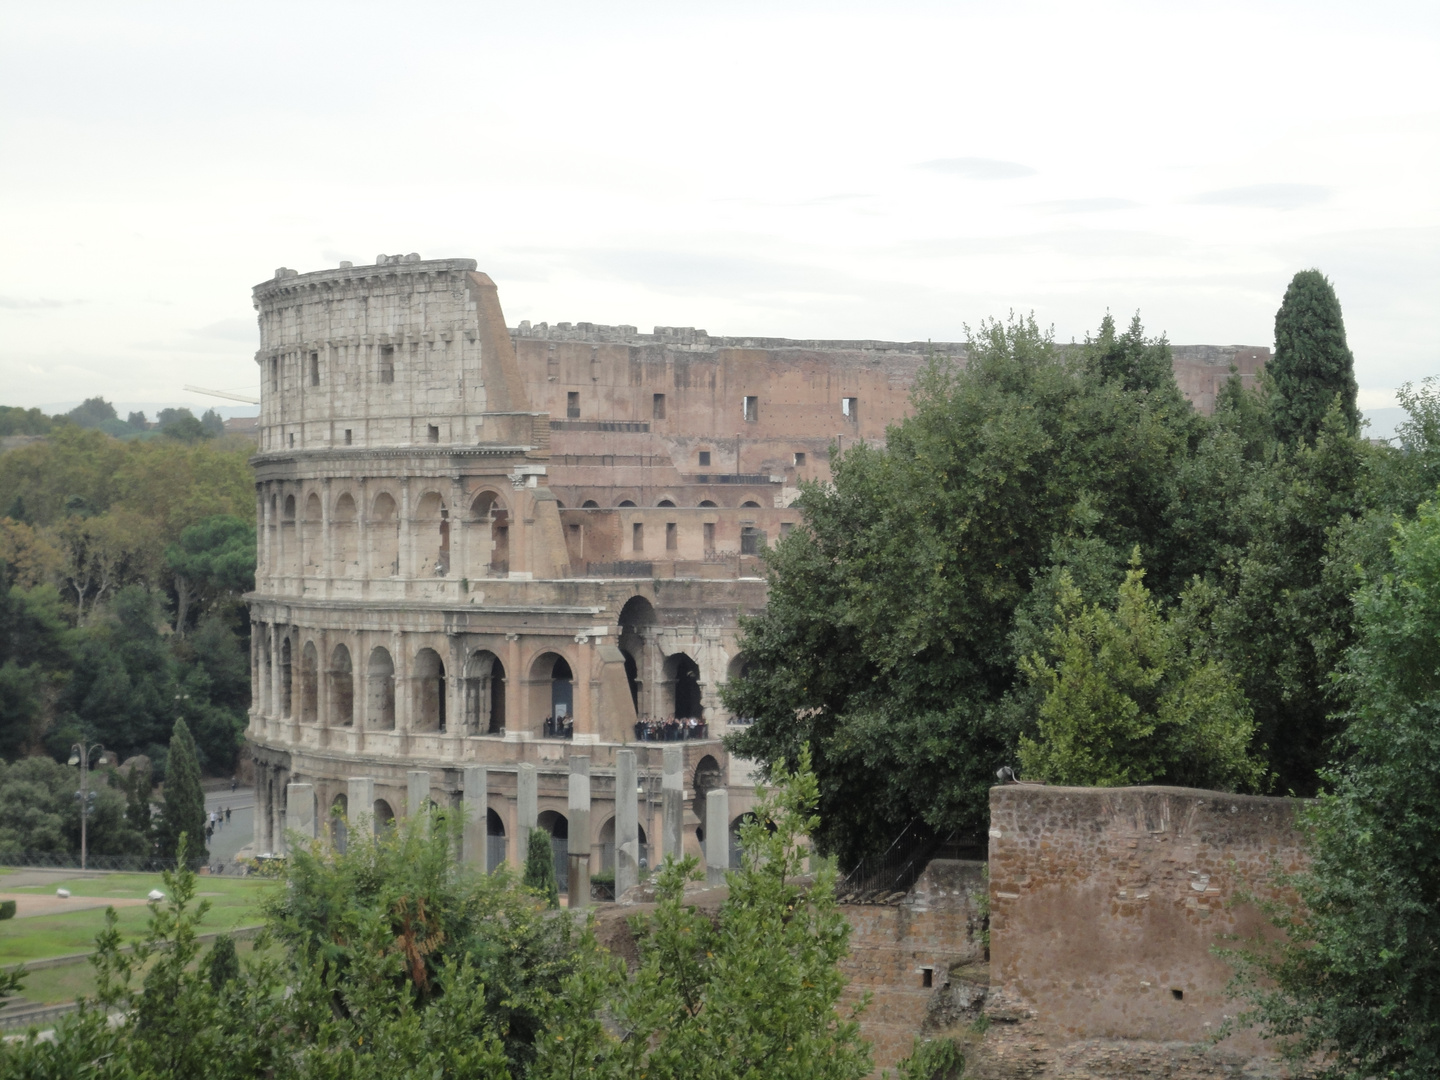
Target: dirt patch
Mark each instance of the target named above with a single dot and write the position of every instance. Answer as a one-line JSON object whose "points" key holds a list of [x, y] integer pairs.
{"points": [[29, 905]]}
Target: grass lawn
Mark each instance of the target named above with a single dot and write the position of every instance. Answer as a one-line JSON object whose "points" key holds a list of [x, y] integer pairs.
{"points": [[68, 981], [233, 902]]}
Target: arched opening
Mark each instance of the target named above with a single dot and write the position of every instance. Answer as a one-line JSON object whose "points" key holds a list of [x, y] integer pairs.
{"points": [[707, 778], [286, 674], [666, 502], [310, 536], [707, 504], [737, 667], [384, 537], [384, 816], [625, 502], [309, 684], [380, 686], [558, 827], [432, 536], [345, 537], [750, 504], [289, 537], [590, 504], [484, 694], [682, 687], [608, 843], [495, 842], [552, 694], [737, 851], [489, 541], [429, 681], [342, 688], [637, 620], [339, 827]]}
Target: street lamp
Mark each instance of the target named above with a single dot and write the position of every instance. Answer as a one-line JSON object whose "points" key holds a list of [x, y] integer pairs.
{"points": [[80, 755]]}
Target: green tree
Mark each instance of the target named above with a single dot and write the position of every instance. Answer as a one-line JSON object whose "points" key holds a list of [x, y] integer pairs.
{"points": [[17, 421], [213, 559], [1355, 975], [752, 992], [884, 644], [1312, 366], [540, 867], [91, 413], [184, 810], [1131, 696]]}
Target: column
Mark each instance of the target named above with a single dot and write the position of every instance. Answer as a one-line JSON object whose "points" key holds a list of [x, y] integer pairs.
{"points": [[579, 846], [407, 528], [474, 839], [277, 674], [362, 540], [267, 554], [517, 695], [261, 824], [459, 514], [586, 689], [672, 804], [417, 796], [717, 835], [360, 801], [527, 804], [300, 811], [627, 824], [327, 552]]}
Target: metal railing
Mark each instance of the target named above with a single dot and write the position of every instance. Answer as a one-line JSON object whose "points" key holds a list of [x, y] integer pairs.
{"points": [[58, 860]]}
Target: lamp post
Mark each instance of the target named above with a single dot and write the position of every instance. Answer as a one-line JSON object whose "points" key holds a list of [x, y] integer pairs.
{"points": [[80, 755]]}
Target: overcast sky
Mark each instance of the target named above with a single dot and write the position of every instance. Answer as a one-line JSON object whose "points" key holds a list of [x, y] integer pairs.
{"points": [[887, 170]]}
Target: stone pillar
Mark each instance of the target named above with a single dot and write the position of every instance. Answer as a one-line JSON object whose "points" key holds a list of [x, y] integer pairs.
{"points": [[527, 805], [327, 551], [275, 706], [262, 809], [579, 846], [360, 800], [362, 540], [672, 804], [299, 812], [627, 823], [407, 531], [717, 835], [417, 796], [474, 840], [267, 554], [585, 687], [517, 691]]}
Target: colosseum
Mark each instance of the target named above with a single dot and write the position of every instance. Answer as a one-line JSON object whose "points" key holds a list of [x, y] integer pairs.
{"points": [[494, 559]]}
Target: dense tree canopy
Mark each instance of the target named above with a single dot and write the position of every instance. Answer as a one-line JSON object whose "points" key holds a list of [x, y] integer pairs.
{"points": [[1313, 367]]}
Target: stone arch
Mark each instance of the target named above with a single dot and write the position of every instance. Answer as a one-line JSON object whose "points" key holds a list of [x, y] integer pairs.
{"points": [[708, 504], [749, 504], [286, 677], [311, 530], [637, 620], [625, 502], [309, 684], [558, 826], [345, 536], [339, 826], [432, 536], [488, 536], [384, 536], [384, 816], [667, 503], [495, 841], [380, 690], [342, 688], [428, 679], [551, 686], [708, 776], [736, 849], [590, 504], [737, 667], [484, 694], [680, 687]]}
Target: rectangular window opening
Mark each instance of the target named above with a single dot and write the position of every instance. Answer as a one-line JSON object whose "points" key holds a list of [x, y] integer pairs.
{"points": [[705, 458], [850, 407], [751, 540], [349, 436], [572, 405], [274, 373], [657, 407], [799, 458], [672, 536], [292, 438], [752, 409], [785, 527], [314, 369], [927, 977], [387, 363], [1178, 995], [637, 536], [432, 433], [709, 536]]}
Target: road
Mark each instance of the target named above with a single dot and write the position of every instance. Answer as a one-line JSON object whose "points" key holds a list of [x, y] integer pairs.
{"points": [[234, 834]]}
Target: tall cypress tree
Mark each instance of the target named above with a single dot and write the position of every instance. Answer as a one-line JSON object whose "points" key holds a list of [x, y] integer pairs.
{"points": [[1312, 362], [184, 797], [540, 867]]}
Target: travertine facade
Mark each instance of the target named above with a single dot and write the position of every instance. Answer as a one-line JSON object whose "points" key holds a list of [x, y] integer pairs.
{"points": [[466, 531]]}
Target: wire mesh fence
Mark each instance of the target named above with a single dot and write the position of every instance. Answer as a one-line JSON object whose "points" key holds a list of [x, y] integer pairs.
{"points": [[891, 873]]}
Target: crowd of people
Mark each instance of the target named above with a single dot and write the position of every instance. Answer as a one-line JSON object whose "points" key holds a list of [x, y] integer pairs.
{"points": [[559, 727], [671, 729]]}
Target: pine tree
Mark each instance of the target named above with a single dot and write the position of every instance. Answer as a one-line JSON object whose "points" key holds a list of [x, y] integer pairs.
{"points": [[540, 867], [184, 797], [1312, 361]]}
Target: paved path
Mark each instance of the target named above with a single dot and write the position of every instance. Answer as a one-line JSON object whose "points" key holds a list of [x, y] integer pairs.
{"points": [[234, 834]]}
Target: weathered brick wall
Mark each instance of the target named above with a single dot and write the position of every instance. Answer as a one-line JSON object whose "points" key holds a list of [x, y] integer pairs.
{"points": [[936, 926], [1106, 904]]}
